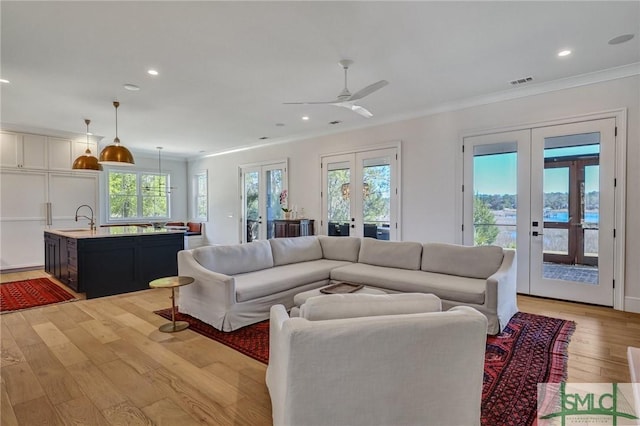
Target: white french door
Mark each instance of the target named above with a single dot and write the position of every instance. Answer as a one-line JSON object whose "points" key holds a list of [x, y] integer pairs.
{"points": [[360, 194], [496, 195], [548, 192], [572, 241], [262, 186]]}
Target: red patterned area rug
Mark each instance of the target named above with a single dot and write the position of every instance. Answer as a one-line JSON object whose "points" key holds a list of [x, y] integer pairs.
{"points": [[532, 349], [18, 295]]}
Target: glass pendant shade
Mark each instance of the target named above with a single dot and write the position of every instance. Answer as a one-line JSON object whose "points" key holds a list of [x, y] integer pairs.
{"points": [[116, 154], [86, 161]]}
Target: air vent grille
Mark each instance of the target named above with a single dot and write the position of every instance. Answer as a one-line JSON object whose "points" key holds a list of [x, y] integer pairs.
{"points": [[521, 81]]}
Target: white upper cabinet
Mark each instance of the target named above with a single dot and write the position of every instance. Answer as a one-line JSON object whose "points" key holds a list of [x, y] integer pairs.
{"points": [[60, 154], [23, 151]]}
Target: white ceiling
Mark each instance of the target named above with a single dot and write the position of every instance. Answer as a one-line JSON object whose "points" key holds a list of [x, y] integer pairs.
{"points": [[226, 67]]}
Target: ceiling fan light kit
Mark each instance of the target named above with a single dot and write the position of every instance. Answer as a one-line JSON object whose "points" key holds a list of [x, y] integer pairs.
{"points": [[345, 99]]}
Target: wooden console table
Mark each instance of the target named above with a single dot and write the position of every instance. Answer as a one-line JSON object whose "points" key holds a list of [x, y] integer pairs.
{"points": [[293, 228]]}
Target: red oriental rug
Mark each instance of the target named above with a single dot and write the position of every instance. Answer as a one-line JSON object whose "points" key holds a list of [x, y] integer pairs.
{"points": [[25, 294], [532, 349]]}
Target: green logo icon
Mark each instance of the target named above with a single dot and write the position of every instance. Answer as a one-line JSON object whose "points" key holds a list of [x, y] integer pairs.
{"points": [[586, 403]]}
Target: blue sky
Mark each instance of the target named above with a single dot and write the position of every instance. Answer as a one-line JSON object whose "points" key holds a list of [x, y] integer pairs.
{"points": [[497, 174]]}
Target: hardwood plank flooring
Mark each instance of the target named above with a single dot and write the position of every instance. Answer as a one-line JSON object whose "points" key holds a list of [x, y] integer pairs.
{"points": [[103, 361]]}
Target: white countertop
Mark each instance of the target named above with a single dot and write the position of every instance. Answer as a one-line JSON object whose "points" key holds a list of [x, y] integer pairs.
{"points": [[112, 231]]}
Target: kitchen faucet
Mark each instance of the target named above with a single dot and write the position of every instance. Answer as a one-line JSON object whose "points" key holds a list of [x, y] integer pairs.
{"points": [[92, 223]]}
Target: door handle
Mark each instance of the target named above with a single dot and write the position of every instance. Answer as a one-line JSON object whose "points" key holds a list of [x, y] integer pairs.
{"points": [[49, 217], [537, 234]]}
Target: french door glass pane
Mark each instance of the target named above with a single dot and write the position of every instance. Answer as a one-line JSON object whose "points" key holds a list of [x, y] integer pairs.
{"points": [[555, 238], [591, 203], [571, 208], [338, 199], [376, 192], [251, 195], [274, 188], [495, 201]]}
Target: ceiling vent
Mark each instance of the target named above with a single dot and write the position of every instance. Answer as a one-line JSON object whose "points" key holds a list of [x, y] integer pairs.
{"points": [[521, 81]]}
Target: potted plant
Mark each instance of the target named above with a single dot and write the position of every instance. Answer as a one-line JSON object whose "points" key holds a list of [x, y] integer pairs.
{"points": [[283, 204]]}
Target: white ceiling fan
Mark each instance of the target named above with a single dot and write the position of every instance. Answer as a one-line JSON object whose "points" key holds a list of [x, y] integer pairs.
{"points": [[347, 100]]}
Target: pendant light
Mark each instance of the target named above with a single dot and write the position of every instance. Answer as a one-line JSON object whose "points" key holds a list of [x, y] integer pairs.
{"points": [[116, 154], [86, 161], [167, 189]]}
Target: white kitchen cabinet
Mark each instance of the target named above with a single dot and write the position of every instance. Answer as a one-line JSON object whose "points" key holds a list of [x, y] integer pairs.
{"points": [[32, 201], [60, 154], [23, 150], [22, 218]]}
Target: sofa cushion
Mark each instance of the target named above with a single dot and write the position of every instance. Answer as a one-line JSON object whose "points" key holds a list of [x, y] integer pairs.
{"points": [[393, 254], [340, 248], [295, 250], [281, 278], [336, 306], [235, 259], [464, 261], [446, 287]]}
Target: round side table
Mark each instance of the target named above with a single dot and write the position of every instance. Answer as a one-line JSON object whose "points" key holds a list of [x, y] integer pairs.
{"points": [[172, 283]]}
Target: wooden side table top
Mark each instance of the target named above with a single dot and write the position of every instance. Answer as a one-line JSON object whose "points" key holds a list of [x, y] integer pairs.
{"points": [[170, 282]]}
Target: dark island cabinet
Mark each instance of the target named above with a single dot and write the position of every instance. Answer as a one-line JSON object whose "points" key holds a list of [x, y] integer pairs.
{"points": [[113, 265]]}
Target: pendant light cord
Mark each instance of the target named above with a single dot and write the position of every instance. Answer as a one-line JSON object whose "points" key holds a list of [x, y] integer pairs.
{"points": [[116, 104]]}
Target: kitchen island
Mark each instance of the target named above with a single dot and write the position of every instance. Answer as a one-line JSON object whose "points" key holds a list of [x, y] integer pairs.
{"points": [[111, 260]]}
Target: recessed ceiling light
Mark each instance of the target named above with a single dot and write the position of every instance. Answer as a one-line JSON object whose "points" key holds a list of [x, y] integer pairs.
{"points": [[305, 117], [152, 72], [564, 53], [2, 80], [621, 39], [131, 87]]}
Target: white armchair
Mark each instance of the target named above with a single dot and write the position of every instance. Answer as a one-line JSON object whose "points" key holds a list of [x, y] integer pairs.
{"points": [[410, 369]]}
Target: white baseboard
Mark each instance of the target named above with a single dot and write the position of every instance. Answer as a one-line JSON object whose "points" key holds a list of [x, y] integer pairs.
{"points": [[632, 304]]}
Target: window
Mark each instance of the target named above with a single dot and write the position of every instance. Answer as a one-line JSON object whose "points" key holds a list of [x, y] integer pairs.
{"points": [[138, 195], [200, 192]]}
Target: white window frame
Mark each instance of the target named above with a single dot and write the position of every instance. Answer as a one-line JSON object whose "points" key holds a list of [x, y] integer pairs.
{"points": [[139, 195], [202, 174]]}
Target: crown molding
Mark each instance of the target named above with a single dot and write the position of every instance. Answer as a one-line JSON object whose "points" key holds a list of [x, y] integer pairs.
{"points": [[514, 93]]}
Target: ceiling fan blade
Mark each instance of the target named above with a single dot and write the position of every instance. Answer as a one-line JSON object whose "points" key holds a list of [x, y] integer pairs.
{"points": [[368, 90], [311, 103], [355, 108], [362, 111]]}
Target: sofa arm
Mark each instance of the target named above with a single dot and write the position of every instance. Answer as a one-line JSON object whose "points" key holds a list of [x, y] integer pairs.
{"points": [[279, 354], [212, 287], [501, 290]]}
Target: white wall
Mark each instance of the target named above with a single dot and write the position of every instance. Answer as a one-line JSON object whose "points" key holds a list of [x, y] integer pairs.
{"points": [[430, 155], [147, 162]]}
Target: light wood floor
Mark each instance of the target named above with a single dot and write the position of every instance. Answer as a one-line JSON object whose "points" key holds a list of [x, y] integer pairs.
{"points": [[103, 361]]}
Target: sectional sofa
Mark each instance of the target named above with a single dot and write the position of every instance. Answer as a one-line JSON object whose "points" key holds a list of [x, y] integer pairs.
{"points": [[236, 285]]}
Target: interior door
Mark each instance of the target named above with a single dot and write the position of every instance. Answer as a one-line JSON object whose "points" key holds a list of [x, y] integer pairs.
{"points": [[572, 211], [360, 194], [262, 186]]}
